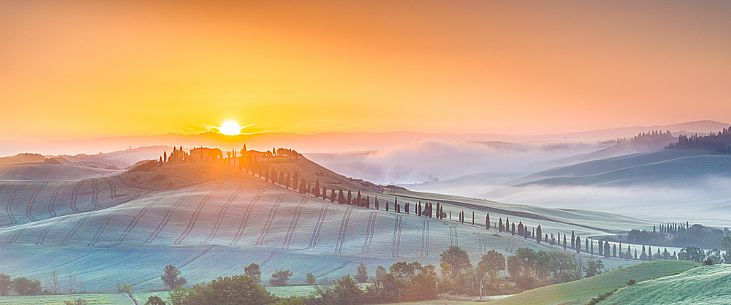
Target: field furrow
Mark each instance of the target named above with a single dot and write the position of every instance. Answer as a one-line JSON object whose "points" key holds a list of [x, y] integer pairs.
{"points": [[196, 213]]}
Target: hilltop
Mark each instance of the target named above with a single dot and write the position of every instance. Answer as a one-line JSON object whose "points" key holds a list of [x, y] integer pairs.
{"points": [[152, 174]]}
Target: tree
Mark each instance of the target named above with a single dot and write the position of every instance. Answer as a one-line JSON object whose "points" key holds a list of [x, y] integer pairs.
{"points": [[538, 234], [405, 282], [172, 279], [491, 264], [380, 276], [155, 300], [5, 283], [362, 273], [454, 260], [310, 278], [54, 282], [230, 290], [345, 292], [578, 244], [254, 271], [280, 278], [341, 197], [594, 267], [457, 270], [26, 286]]}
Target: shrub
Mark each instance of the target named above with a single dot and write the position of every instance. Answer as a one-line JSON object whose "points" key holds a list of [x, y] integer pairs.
{"points": [[631, 282], [26, 286], [155, 300], [280, 278], [229, 290]]}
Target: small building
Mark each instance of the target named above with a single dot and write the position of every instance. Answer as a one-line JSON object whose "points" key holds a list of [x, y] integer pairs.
{"points": [[205, 154]]}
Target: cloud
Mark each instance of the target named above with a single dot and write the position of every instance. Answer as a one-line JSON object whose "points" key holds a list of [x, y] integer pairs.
{"points": [[707, 201], [424, 160]]}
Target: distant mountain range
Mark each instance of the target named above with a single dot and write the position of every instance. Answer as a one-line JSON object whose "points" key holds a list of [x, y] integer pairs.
{"points": [[336, 141]]}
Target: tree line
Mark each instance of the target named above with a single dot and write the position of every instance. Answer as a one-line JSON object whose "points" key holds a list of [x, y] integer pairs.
{"points": [[401, 282], [719, 141]]}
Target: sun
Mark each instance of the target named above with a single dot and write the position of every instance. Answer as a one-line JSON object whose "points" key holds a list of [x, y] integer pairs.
{"points": [[230, 128]]}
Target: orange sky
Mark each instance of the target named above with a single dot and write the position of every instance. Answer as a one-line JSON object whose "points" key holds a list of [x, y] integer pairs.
{"points": [[78, 69]]}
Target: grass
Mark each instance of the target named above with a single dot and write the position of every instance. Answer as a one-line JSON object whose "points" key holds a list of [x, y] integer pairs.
{"points": [[581, 291], [118, 298], [92, 299], [703, 285]]}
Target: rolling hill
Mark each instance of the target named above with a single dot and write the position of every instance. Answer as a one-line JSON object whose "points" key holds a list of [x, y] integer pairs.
{"points": [[703, 285], [581, 291], [667, 166], [102, 230]]}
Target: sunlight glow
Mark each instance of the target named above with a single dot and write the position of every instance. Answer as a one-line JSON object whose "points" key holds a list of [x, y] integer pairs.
{"points": [[230, 128]]}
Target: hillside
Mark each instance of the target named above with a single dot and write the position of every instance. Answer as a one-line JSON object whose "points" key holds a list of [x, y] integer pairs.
{"points": [[661, 167], [703, 285], [48, 171], [22, 158], [149, 174], [580, 292], [103, 231]]}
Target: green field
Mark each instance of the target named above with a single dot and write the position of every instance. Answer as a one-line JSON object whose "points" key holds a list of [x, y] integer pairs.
{"points": [[118, 298], [703, 285], [580, 292], [92, 299]]}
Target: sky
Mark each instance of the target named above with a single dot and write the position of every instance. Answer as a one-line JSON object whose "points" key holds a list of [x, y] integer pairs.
{"points": [[73, 69]]}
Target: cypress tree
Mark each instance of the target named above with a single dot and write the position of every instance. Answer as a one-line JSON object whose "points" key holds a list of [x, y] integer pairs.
{"points": [[512, 229], [341, 197], [573, 239], [614, 250], [473, 218], [350, 198], [487, 221], [564, 241], [357, 200], [500, 225], [538, 234], [591, 246], [578, 244], [601, 247]]}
